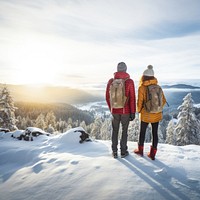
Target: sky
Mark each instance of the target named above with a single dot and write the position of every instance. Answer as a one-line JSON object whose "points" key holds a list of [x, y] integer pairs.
{"points": [[59, 167], [78, 43]]}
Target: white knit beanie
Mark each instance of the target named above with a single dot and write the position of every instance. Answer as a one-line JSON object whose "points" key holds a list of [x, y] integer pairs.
{"points": [[121, 67], [149, 71]]}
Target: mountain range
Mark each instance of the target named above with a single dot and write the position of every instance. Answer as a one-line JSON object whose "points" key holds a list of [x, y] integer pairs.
{"points": [[63, 94], [50, 94], [180, 86]]}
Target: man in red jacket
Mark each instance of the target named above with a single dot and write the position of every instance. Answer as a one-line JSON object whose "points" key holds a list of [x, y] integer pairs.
{"points": [[122, 115]]}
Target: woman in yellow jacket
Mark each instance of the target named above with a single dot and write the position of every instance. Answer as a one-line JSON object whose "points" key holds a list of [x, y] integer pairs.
{"points": [[146, 117]]}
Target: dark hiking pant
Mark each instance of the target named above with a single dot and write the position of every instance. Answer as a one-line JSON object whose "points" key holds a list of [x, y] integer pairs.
{"points": [[143, 127], [118, 119]]}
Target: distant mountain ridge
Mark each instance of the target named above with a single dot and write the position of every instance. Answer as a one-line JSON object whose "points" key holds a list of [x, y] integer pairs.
{"points": [[50, 94], [180, 86]]}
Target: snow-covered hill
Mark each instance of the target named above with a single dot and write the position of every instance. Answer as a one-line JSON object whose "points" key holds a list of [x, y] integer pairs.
{"points": [[60, 168]]}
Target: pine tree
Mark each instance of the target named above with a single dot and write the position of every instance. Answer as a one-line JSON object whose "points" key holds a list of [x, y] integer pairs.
{"points": [[96, 128], [7, 110], [187, 128], [61, 126], [70, 122], [50, 129], [83, 125], [40, 122], [106, 129], [134, 129], [50, 120], [29, 122], [69, 126], [163, 125], [171, 137]]}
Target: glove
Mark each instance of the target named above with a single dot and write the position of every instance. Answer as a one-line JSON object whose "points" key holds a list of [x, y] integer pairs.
{"points": [[132, 116]]}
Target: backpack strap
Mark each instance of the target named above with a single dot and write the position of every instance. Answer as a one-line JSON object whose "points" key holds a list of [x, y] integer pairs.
{"points": [[111, 80], [124, 94], [147, 95], [125, 87]]}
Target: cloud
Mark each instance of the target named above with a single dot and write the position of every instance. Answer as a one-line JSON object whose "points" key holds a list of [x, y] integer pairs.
{"points": [[88, 38], [103, 21], [167, 30]]}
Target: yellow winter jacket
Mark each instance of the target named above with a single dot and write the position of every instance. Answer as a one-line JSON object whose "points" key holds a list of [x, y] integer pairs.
{"points": [[144, 115]]}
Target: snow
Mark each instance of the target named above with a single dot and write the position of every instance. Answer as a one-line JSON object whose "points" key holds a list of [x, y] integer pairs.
{"points": [[197, 105], [59, 167]]}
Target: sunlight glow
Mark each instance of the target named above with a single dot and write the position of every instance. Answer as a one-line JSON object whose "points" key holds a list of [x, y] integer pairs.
{"points": [[80, 43], [36, 61]]}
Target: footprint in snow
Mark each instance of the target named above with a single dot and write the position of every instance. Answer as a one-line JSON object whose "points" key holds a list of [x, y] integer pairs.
{"points": [[51, 160], [37, 168], [62, 170], [74, 162]]}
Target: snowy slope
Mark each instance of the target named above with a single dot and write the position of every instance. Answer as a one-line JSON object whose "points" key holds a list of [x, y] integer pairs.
{"points": [[59, 167]]}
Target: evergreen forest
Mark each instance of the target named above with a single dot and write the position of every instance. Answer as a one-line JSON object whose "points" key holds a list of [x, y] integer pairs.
{"points": [[180, 127]]}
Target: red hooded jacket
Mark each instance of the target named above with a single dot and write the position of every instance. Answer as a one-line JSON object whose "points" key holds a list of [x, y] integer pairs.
{"points": [[130, 106]]}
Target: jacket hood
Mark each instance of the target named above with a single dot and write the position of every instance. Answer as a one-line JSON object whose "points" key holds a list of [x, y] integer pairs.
{"points": [[121, 75], [150, 82]]}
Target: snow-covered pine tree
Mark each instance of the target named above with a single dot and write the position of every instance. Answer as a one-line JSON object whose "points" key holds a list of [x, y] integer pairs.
{"points": [[163, 125], [50, 129], [40, 122], [134, 129], [61, 125], [50, 120], [96, 127], [69, 126], [171, 137], [70, 121], [187, 129], [7, 110], [106, 129], [83, 125]]}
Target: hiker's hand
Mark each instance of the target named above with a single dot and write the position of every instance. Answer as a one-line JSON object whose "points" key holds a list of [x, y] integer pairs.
{"points": [[132, 116]]}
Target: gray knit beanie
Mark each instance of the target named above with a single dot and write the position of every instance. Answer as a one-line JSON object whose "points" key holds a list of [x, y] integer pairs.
{"points": [[121, 67], [149, 71]]}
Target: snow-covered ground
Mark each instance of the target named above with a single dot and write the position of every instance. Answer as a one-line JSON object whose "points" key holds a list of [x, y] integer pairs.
{"points": [[60, 168]]}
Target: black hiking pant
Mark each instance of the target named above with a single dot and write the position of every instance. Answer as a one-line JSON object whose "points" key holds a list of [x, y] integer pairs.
{"points": [[118, 119], [143, 127]]}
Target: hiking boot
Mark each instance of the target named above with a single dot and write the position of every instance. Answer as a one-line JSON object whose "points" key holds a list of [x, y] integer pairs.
{"points": [[139, 151], [152, 153], [115, 155], [123, 155]]}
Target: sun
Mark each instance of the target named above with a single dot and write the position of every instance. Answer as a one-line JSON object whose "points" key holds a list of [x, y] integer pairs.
{"points": [[35, 62]]}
